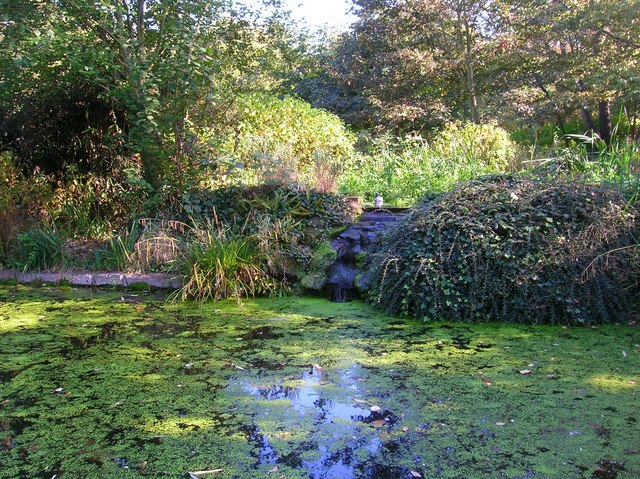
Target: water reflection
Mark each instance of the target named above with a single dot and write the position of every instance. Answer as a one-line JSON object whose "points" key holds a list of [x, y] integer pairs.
{"points": [[341, 442]]}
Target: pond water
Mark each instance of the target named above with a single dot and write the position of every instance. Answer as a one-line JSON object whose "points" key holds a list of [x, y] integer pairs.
{"points": [[125, 385]]}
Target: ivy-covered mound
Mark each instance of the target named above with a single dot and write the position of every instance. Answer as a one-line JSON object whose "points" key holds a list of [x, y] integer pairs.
{"points": [[512, 249]]}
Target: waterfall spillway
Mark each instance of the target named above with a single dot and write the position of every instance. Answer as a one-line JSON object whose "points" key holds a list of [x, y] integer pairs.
{"points": [[358, 238]]}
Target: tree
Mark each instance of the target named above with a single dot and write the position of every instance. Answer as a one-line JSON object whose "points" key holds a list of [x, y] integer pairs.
{"points": [[418, 63], [582, 55], [167, 64]]}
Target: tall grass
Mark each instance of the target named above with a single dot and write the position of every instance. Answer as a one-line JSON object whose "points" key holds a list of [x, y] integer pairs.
{"points": [[41, 249], [405, 170], [220, 264]]}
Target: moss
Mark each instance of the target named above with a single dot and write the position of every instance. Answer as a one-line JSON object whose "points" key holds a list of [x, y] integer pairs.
{"points": [[323, 257], [108, 385]]}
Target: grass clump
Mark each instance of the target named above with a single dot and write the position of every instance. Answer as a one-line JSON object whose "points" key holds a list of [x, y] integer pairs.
{"points": [[513, 250], [41, 249], [221, 265]]}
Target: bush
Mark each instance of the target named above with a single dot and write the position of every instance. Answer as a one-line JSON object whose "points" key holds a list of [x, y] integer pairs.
{"points": [[616, 164], [282, 138], [511, 249], [21, 201]]}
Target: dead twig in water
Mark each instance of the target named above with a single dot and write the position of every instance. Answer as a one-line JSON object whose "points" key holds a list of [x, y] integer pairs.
{"points": [[194, 475]]}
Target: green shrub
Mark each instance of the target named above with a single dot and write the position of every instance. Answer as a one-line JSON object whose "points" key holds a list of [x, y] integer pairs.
{"points": [[510, 249], [222, 265], [40, 249], [281, 138]]}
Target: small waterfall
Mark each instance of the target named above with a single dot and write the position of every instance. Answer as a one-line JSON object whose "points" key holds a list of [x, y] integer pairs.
{"points": [[357, 238]]}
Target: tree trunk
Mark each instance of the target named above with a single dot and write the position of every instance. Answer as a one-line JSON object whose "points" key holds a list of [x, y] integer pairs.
{"points": [[472, 87], [587, 117], [604, 118]]}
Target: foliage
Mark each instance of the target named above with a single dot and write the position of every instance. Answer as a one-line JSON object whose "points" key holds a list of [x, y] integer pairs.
{"points": [[417, 63], [510, 249], [40, 249], [280, 241], [567, 58], [221, 265], [407, 170], [590, 159], [121, 248], [92, 206], [240, 205], [21, 199]]}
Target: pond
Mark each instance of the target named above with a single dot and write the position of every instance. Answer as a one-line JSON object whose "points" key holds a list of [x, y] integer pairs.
{"points": [[109, 384]]}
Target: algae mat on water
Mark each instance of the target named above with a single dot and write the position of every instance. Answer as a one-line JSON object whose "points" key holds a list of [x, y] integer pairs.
{"points": [[114, 385]]}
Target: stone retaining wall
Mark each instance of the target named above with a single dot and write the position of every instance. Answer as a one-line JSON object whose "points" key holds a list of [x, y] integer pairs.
{"points": [[101, 278]]}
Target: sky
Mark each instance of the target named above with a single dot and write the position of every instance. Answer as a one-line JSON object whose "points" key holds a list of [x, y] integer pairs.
{"points": [[317, 14]]}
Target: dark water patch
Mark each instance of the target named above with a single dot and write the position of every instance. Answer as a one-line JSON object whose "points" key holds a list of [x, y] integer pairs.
{"points": [[383, 471], [262, 364], [479, 347], [162, 329], [82, 343], [272, 393], [461, 342], [95, 460], [6, 376], [192, 323], [321, 321], [15, 425], [151, 441], [263, 452], [25, 402], [608, 469], [263, 332]]}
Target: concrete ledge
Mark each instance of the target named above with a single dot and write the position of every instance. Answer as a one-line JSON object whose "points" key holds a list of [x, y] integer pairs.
{"points": [[98, 278]]}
